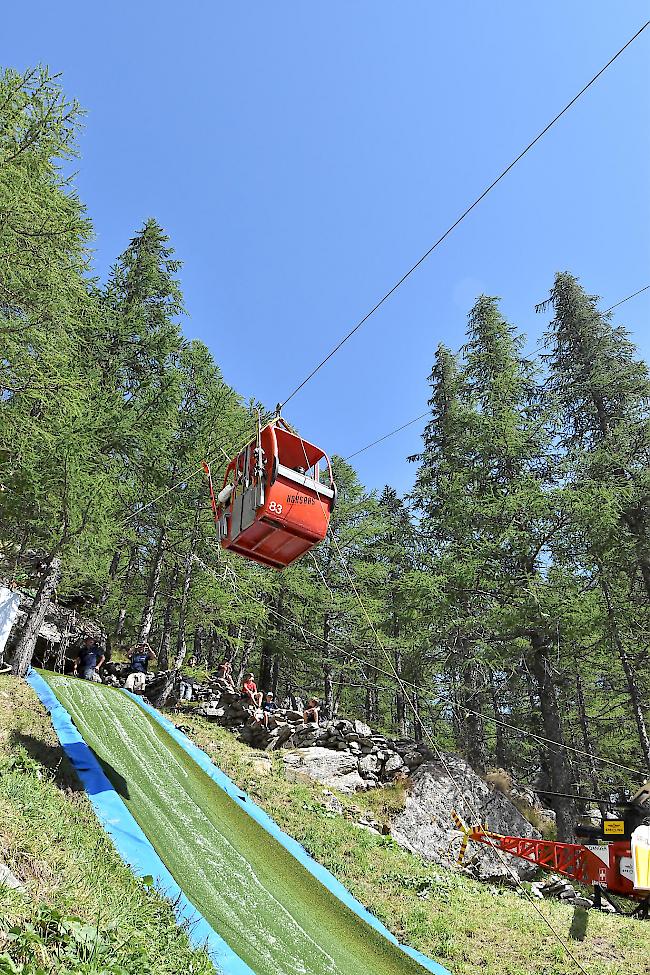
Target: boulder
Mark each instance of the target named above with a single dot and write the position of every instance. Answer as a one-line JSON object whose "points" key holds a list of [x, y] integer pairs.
{"points": [[425, 826], [393, 765], [337, 770], [361, 729], [283, 733], [344, 725], [215, 714], [290, 715], [413, 759], [368, 765]]}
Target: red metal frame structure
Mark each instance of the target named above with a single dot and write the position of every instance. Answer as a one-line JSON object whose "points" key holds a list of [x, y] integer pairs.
{"points": [[275, 505], [607, 865]]}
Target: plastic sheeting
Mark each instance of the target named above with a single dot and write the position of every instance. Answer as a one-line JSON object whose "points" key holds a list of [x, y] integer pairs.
{"points": [[9, 603], [292, 846], [128, 838]]}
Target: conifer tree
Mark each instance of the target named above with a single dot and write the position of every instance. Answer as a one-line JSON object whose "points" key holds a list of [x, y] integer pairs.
{"points": [[604, 394]]}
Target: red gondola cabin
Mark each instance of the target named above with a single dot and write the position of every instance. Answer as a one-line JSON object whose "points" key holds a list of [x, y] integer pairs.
{"points": [[273, 506]]}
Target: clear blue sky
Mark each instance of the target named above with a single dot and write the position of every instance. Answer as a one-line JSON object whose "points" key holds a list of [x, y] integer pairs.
{"points": [[302, 155]]}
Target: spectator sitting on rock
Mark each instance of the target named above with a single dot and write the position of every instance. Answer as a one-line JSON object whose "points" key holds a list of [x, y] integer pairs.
{"points": [[269, 707], [139, 658], [224, 673], [311, 712], [249, 691], [89, 659]]}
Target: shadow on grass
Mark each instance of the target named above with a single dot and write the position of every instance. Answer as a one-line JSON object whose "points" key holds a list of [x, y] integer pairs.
{"points": [[51, 757], [63, 768], [579, 921]]}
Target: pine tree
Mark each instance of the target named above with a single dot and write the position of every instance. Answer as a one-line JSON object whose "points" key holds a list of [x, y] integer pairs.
{"points": [[604, 395]]}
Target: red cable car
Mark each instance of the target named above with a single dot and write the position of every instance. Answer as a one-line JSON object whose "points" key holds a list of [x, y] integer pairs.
{"points": [[273, 506]]}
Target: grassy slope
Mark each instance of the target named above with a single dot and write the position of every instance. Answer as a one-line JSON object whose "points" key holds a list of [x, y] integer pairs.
{"points": [[470, 927], [51, 840], [253, 892]]}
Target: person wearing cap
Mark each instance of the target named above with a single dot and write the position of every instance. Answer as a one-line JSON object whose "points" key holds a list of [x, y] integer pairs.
{"points": [[89, 659], [269, 707], [139, 657]]}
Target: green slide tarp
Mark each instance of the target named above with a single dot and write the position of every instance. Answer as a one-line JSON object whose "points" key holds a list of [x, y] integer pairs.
{"points": [[265, 904]]}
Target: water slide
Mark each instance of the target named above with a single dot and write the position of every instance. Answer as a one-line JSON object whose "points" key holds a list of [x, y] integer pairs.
{"points": [[275, 910]]}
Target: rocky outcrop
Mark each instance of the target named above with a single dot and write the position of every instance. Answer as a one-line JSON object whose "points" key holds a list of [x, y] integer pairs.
{"points": [[425, 826], [337, 770], [367, 758]]}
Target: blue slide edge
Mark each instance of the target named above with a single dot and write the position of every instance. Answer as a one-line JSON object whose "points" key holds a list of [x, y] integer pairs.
{"points": [[128, 838], [318, 871]]}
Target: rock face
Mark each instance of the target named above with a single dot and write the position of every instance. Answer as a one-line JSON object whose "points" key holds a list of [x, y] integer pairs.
{"points": [[335, 769], [425, 826]]}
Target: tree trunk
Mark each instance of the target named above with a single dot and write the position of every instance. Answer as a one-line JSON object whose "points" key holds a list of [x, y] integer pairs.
{"points": [[168, 615], [635, 525], [266, 665], [561, 778], [118, 632], [418, 731], [474, 731], [586, 734], [275, 676], [246, 652], [213, 650], [59, 663], [400, 702], [152, 587], [371, 703], [500, 753], [635, 701], [197, 649], [629, 671], [112, 572], [181, 645], [24, 651], [328, 673]]}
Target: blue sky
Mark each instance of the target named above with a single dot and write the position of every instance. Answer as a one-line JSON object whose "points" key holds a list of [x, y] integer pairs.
{"points": [[302, 155]]}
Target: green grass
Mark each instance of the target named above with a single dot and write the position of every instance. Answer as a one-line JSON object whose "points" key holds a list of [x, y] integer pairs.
{"points": [[83, 910], [51, 839], [257, 896], [469, 927]]}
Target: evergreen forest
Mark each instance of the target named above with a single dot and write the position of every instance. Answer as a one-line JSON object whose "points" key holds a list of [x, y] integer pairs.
{"points": [[510, 590]]}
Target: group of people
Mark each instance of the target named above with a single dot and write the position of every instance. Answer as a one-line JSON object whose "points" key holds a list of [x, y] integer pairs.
{"points": [[264, 703], [90, 657]]}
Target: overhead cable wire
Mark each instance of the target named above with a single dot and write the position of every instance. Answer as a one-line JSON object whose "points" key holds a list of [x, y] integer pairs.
{"points": [[629, 297], [351, 655], [387, 435], [467, 799], [421, 416], [189, 475], [462, 216]]}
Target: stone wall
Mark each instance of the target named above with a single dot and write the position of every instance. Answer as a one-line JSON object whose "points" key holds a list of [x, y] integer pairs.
{"points": [[373, 757]]}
